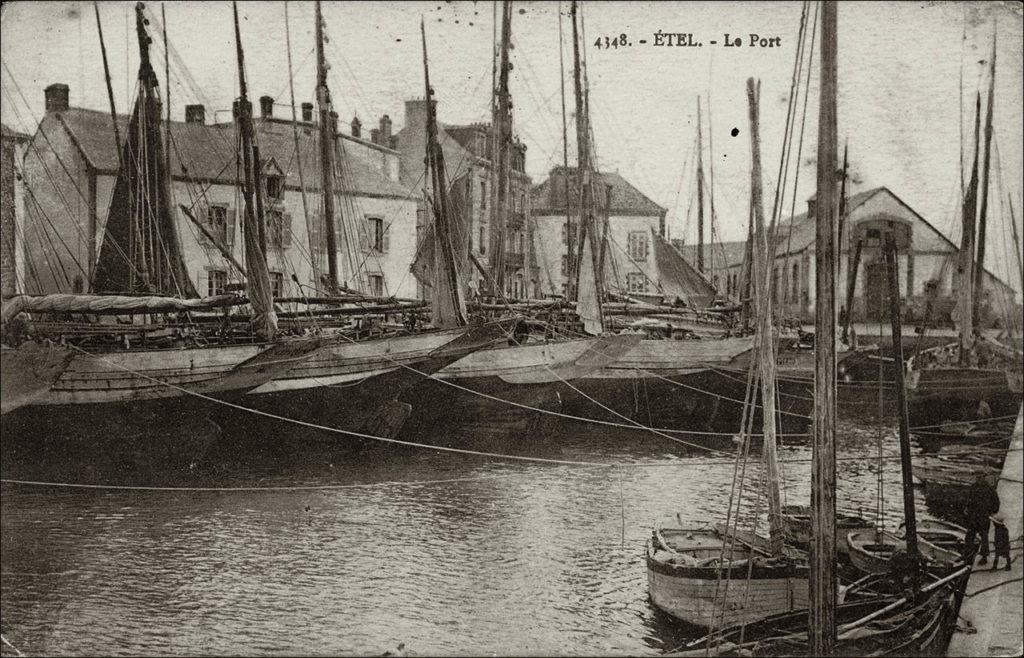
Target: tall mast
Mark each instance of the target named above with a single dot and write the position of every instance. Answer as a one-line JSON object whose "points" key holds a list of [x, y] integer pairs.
{"points": [[260, 293], [570, 233], [823, 470], [110, 88], [765, 340], [700, 193], [588, 273], [965, 259], [314, 249], [500, 159], [327, 127], [448, 300], [979, 267]]}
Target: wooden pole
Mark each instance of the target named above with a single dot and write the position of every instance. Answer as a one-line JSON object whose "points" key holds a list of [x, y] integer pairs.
{"points": [[110, 88], [700, 193], [766, 345], [851, 287], [323, 98], [823, 470], [314, 250], [979, 267], [500, 162], [901, 393], [570, 232], [1016, 241], [965, 258]]}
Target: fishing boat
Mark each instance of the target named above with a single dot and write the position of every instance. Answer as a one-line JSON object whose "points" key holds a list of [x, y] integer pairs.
{"points": [[797, 526], [922, 620], [691, 572], [872, 551], [976, 377], [992, 434], [155, 381]]}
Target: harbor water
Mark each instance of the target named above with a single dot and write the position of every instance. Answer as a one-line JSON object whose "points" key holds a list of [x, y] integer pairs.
{"points": [[351, 550]]}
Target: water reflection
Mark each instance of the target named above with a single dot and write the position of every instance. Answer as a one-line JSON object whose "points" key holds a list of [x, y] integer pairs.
{"points": [[486, 557]]}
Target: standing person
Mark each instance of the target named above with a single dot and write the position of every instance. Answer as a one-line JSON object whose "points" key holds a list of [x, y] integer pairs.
{"points": [[1002, 541], [982, 500]]}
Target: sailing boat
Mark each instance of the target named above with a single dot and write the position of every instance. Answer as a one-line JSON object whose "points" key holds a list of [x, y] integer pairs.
{"points": [[955, 382], [353, 382], [157, 380], [917, 623], [689, 570]]}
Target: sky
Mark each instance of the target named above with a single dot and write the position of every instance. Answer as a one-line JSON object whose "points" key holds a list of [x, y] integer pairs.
{"points": [[900, 69]]}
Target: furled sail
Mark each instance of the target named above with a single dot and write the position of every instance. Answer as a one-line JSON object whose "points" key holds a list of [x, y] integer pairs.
{"points": [[112, 304], [677, 279], [588, 292], [141, 251]]}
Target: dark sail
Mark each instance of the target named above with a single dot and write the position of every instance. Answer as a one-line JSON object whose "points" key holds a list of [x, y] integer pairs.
{"points": [[140, 251]]}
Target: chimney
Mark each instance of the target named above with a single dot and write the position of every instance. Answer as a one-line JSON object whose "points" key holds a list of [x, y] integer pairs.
{"points": [[375, 135], [416, 114], [357, 127], [235, 108], [334, 122], [195, 114], [385, 130], [811, 206], [57, 97], [307, 112], [266, 107]]}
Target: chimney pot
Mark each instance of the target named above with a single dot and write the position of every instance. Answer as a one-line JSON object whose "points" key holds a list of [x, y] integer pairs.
{"points": [[385, 130], [266, 106], [375, 135], [307, 112], [57, 97], [195, 114], [357, 127], [236, 106]]}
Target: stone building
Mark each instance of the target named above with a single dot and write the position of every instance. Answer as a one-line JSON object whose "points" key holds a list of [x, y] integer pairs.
{"points": [[12, 261], [927, 261], [633, 219], [72, 163], [467, 156]]}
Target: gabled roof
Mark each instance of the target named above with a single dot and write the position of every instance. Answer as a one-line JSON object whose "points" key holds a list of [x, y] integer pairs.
{"points": [[207, 151], [549, 196]]}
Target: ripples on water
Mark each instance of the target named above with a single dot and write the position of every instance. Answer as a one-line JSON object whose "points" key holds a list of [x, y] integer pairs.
{"points": [[512, 557]]}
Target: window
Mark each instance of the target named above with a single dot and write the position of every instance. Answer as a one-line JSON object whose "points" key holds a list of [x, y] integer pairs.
{"points": [[216, 281], [636, 282], [275, 188], [276, 284], [375, 226], [377, 285], [483, 239], [565, 265], [637, 242], [874, 237], [218, 223], [568, 230], [275, 228], [483, 194]]}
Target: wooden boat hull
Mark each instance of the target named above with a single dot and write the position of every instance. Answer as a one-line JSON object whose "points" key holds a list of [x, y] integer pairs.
{"points": [[692, 386], [28, 371], [954, 394], [796, 523], [871, 552], [915, 629], [701, 593], [356, 387], [507, 393]]}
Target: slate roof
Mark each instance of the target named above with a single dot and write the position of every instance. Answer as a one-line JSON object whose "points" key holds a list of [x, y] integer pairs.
{"points": [[207, 151], [549, 196]]}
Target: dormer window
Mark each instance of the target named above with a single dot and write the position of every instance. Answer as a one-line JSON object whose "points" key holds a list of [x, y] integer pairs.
{"points": [[275, 188]]}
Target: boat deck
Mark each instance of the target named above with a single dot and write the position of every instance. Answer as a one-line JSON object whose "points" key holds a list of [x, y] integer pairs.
{"points": [[994, 605]]}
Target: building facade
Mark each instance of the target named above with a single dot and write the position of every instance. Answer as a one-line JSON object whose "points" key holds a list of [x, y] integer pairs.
{"points": [[467, 157], [71, 165], [633, 218], [12, 204], [927, 264]]}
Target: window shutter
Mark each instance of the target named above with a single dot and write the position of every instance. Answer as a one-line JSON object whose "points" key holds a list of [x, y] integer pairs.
{"points": [[363, 246], [231, 217], [386, 243], [203, 215], [286, 229]]}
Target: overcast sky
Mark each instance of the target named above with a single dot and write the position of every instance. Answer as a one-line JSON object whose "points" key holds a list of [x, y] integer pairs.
{"points": [[899, 77]]}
